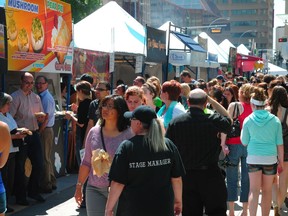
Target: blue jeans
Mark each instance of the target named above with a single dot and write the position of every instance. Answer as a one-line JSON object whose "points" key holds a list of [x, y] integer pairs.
{"points": [[3, 203], [237, 153]]}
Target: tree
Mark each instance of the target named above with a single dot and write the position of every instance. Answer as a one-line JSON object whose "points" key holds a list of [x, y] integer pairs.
{"points": [[82, 8]]}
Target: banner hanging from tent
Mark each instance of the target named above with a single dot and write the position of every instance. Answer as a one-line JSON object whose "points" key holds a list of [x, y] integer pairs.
{"points": [[39, 36], [156, 45], [94, 63]]}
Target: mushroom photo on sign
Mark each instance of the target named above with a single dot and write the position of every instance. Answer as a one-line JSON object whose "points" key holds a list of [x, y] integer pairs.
{"points": [[37, 35], [23, 41]]}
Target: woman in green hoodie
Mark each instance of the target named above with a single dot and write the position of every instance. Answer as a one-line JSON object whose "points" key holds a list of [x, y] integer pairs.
{"points": [[262, 134]]}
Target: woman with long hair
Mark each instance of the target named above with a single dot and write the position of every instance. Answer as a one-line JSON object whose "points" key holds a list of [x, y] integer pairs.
{"points": [[262, 134], [236, 152], [147, 170], [112, 128], [278, 105]]}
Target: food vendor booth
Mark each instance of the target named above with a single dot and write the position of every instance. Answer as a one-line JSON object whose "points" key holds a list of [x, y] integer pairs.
{"points": [[38, 39], [112, 30]]}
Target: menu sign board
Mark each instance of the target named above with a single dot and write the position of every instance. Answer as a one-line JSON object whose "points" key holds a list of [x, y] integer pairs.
{"points": [[39, 36]]}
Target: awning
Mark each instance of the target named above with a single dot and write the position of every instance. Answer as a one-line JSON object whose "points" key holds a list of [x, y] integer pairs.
{"points": [[246, 62], [189, 42]]}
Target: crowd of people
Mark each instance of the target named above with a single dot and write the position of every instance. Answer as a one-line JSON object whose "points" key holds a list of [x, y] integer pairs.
{"points": [[161, 144]]}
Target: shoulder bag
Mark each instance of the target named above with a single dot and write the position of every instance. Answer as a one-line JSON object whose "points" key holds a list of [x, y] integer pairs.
{"points": [[235, 128]]}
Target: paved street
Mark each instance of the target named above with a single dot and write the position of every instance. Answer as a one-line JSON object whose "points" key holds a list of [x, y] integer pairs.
{"points": [[62, 203]]}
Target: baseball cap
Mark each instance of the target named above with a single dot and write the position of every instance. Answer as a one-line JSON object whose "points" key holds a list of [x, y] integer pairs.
{"points": [[144, 114]]}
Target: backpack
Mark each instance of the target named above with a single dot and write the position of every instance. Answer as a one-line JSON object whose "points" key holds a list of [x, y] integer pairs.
{"points": [[285, 128]]}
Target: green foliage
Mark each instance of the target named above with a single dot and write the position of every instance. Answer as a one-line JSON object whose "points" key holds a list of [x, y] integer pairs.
{"points": [[82, 8]]}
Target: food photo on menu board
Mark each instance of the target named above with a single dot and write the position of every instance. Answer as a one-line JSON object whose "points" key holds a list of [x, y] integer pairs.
{"points": [[39, 36]]}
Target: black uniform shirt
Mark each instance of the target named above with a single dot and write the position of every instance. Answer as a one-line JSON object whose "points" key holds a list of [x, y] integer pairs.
{"points": [[196, 136]]}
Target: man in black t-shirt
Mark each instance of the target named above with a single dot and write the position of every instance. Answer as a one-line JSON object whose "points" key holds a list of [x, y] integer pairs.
{"points": [[196, 136]]}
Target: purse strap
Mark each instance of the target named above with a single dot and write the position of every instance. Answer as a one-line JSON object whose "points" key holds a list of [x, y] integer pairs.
{"points": [[236, 109], [102, 139]]}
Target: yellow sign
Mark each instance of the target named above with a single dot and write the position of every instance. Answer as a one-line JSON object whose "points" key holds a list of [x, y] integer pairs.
{"points": [[39, 36]]}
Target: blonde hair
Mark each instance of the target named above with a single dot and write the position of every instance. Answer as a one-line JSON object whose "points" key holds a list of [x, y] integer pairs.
{"points": [[155, 136], [186, 89], [246, 90]]}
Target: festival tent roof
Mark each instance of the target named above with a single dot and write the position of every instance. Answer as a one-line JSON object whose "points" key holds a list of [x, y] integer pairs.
{"points": [[225, 45], [242, 49], [109, 29], [213, 48], [275, 70]]}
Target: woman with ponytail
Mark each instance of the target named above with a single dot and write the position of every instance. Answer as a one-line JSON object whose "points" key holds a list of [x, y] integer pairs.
{"points": [[262, 134], [147, 170]]}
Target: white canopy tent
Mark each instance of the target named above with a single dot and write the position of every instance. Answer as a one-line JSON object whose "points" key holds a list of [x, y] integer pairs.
{"points": [[110, 29], [225, 45], [275, 70], [242, 49], [213, 48]]}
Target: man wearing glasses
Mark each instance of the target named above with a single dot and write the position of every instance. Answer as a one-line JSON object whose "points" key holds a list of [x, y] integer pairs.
{"points": [[23, 108], [48, 181], [102, 90]]}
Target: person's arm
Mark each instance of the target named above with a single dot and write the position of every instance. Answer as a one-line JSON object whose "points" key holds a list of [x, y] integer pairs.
{"points": [[114, 194], [177, 188], [5, 143], [219, 108], [70, 116], [280, 152], [224, 147], [82, 176]]}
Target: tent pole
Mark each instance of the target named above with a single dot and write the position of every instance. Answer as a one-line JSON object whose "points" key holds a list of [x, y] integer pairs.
{"points": [[168, 49]]}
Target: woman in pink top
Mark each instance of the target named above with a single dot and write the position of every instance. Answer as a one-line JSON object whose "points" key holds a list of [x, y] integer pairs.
{"points": [[114, 128], [237, 152]]}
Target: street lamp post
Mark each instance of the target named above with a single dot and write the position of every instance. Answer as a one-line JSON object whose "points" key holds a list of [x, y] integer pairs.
{"points": [[251, 30], [213, 21]]}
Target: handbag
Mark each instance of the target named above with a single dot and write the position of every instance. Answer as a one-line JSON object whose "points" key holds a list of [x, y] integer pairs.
{"points": [[235, 128], [100, 160], [16, 142]]}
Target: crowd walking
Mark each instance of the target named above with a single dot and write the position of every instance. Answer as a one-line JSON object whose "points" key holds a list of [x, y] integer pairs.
{"points": [[150, 142]]}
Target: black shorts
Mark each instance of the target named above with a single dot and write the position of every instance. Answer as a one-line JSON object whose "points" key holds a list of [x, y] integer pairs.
{"points": [[266, 169]]}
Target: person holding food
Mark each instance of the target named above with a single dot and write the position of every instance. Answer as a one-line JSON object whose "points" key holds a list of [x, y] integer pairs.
{"points": [[8, 171], [23, 108], [4, 153], [146, 167], [112, 128], [48, 181]]}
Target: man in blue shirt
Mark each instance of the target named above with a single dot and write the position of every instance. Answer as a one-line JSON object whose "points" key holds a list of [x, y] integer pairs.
{"points": [[46, 133]]}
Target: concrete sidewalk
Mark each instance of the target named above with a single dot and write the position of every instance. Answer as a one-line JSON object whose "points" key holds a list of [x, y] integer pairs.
{"points": [[63, 183]]}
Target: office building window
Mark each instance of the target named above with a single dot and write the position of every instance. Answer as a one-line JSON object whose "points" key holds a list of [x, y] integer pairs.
{"points": [[244, 12], [244, 23]]}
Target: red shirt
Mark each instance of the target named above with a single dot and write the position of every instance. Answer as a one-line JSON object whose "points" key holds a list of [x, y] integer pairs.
{"points": [[247, 111]]}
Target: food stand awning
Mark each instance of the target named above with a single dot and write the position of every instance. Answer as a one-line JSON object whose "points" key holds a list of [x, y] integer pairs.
{"points": [[246, 62], [189, 42]]}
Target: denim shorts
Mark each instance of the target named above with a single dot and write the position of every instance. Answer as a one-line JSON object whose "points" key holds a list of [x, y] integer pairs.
{"points": [[2, 203], [266, 169]]}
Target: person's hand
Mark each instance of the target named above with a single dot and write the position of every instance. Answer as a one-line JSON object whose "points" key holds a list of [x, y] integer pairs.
{"points": [[108, 212], [74, 107], [177, 208], [68, 116], [78, 195], [280, 167], [225, 150], [20, 135]]}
